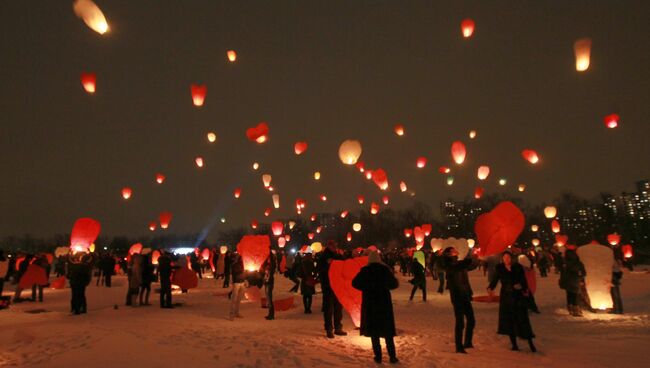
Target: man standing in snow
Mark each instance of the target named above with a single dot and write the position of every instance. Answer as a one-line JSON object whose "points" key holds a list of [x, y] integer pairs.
{"points": [[332, 309], [165, 276], [460, 292], [238, 285], [269, 268]]}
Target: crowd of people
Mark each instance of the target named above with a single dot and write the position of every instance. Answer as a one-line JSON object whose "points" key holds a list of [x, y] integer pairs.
{"points": [[514, 272]]}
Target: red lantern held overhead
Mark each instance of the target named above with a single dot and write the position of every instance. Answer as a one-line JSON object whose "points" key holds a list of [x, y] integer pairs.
{"points": [[627, 251], [232, 55], [458, 152], [237, 193], [164, 218], [421, 162], [499, 228], [361, 199], [467, 27], [198, 94], [300, 147], [89, 82], [555, 226], [254, 250], [258, 133], [126, 192], [84, 233], [154, 257], [613, 239], [530, 156], [611, 121], [478, 192], [153, 225], [399, 129], [380, 178], [277, 227], [135, 249], [160, 178], [483, 172]]}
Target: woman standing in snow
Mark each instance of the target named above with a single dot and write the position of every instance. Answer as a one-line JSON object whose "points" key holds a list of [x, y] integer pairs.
{"points": [[306, 273], [513, 308], [572, 274], [419, 280], [376, 281]]}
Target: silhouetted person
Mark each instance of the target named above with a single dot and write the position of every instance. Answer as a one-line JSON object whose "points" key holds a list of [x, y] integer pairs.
{"points": [[269, 268], [460, 292], [165, 274], [332, 309], [307, 275], [80, 275], [419, 279]]}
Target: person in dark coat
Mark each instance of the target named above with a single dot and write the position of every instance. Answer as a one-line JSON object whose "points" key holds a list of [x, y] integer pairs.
{"points": [[226, 269], [460, 293], [307, 275], [376, 281], [439, 270], [332, 309], [292, 273], [615, 290], [147, 278], [419, 279], [80, 274], [269, 268], [572, 275], [513, 306], [165, 268], [108, 268], [238, 285]]}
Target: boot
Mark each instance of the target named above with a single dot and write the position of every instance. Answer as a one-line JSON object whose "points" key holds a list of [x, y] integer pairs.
{"points": [[532, 346], [578, 310]]}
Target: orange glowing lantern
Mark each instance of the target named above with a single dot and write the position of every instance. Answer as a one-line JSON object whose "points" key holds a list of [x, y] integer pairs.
{"points": [[402, 186], [418, 234], [317, 175], [135, 249], [344, 214], [91, 15], [154, 257], [613, 239], [205, 254], [300, 147], [535, 242], [384, 199], [237, 193], [421, 162], [444, 170], [561, 240], [276, 201], [627, 251], [126, 192], [84, 233], [254, 250], [458, 152], [374, 208], [427, 228], [89, 82], [399, 129], [611, 121], [287, 237], [277, 227], [467, 27], [319, 229], [550, 212], [223, 249], [369, 174], [483, 172], [350, 151], [232, 56], [534, 228], [212, 137], [478, 192], [266, 180], [160, 178], [360, 166], [356, 227], [258, 133], [198, 161], [521, 187], [361, 199], [408, 233], [267, 212], [348, 237], [312, 218], [164, 218], [198, 94], [256, 165], [282, 242], [380, 178], [582, 51], [153, 225], [472, 134], [530, 156], [310, 236], [323, 197], [555, 226], [254, 224]]}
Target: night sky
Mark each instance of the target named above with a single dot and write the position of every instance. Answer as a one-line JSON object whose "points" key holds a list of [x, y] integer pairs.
{"points": [[318, 71]]}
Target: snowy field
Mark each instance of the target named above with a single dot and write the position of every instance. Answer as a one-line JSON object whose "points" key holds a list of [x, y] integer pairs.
{"points": [[197, 334]]}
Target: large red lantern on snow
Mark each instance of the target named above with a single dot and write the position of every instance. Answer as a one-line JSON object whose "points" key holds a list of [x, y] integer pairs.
{"points": [[89, 82], [198, 94], [458, 152], [499, 228], [300, 147], [467, 27], [341, 274], [258, 133], [277, 227], [164, 218], [84, 233], [254, 250]]}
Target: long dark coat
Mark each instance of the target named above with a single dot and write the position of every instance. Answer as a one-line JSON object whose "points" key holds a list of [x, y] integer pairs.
{"points": [[513, 307], [572, 274], [306, 273], [376, 281]]}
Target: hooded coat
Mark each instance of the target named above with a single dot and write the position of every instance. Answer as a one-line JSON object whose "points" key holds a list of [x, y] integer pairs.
{"points": [[376, 281]]}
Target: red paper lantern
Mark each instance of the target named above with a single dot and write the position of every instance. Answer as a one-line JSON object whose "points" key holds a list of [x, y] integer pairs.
{"points": [[84, 233], [399, 129], [561, 240], [380, 178], [418, 234], [384, 199], [361, 199], [267, 212], [530, 156], [254, 250], [300, 147], [611, 121], [499, 228], [344, 214], [258, 133], [126, 192], [478, 192], [555, 226], [467, 27], [199, 161], [34, 275], [232, 56], [135, 249], [427, 228], [613, 239], [282, 241], [198, 94], [361, 166], [164, 218], [402, 186], [444, 170], [421, 162], [89, 82], [205, 254], [627, 251], [341, 274], [374, 208], [458, 152], [483, 172], [277, 227], [160, 178], [348, 237], [310, 236], [185, 278], [237, 193], [154, 257], [408, 233], [153, 225]]}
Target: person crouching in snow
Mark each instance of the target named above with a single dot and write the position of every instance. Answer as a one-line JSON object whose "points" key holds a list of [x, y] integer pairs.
{"points": [[376, 281], [513, 306], [460, 293]]}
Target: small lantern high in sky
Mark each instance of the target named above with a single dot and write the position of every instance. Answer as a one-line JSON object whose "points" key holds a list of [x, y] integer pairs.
{"points": [[89, 82], [582, 50], [458, 152], [467, 27], [198, 92], [350, 151], [212, 137], [232, 56], [483, 172], [399, 129], [160, 178], [611, 121], [550, 212], [530, 156], [421, 162], [199, 161], [126, 192], [91, 15]]}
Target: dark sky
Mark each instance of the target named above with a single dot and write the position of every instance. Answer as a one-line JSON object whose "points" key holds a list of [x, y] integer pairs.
{"points": [[319, 71]]}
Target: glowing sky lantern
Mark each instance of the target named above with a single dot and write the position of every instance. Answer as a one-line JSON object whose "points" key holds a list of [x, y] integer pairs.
{"points": [[316, 247], [613, 239], [254, 224], [385, 199], [312, 217], [421, 162], [300, 203], [444, 170], [597, 260], [199, 161], [323, 197], [267, 212], [380, 178], [356, 227], [561, 240], [300, 147], [282, 241], [611, 121], [266, 180], [256, 165], [91, 15], [402, 186], [84, 233], [408, 233], [319, 229], [472, 134], [153, 225], [223, 249], [344, 214], [135, 249], [254, 250], [317, 175], [399, 129], [154, 257], [458, 152], [499, 228], [348, 237], [361, 199], [277, 227], [555, 226], [478, 192], [160, 178], [483, 172], [418, 234], [360, 166], [450, 180], [198, 92], [530, 156], [471, 243], [311, 236], [276, 201], [374, 208], [212, 137], [232, 55], [503, 181], [350, 151], [467, 27], [126, 192], [550, 212], [521, 187], [369, 174], [258, 133], [426, 228], [535, 242], [89, 82], [534, 228], [164, 218], [627, 250], [582, 51], [291, 225], [237, 193]]}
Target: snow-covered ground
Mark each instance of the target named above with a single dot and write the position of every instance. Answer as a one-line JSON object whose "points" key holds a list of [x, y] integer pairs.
{"points": [[198, 333]]}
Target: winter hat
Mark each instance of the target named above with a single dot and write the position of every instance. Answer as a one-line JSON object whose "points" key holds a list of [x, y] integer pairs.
{"points": [[373, 257]]}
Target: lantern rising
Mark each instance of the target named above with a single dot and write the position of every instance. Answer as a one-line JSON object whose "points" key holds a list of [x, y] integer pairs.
{"points": [[478, 192], [276, 201], [402, 186], [530, 156], [613, 239], [198, 92], [374, 208], [458, 152], [483, 172], [399, 129], [160, 178], [254, 224], [380, 178], [350, 151], [356, 227], [550, 212], [232, 56], [300, 147], [164, 218], [153, 225], [254, 250], [91, 15], [199, 161], [472, 134], [467, 27], [611, 121], [555, 226], [408, 233], [582, 50], [444, 170], [317, 175], [521, 187], [237, 193], [258, 133], [361, 199], [421, 162], [385, 199], [126, 192], [266, 180], [277, 227], [84, 233], [89, 82], [627, 250], [212, 137]]}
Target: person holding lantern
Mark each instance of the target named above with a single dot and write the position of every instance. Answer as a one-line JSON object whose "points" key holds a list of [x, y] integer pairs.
{"points": [[375, 281], [460, 293], [80, 274], [513, 304], [332, 309]]}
